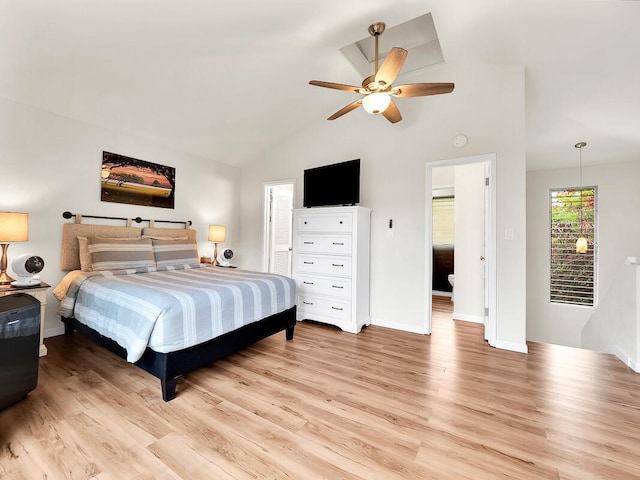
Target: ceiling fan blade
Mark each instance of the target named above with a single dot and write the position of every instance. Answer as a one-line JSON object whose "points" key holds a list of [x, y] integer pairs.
{"points": [[335, 86], [392, 113], [347, 109], [422, 89], [391, 66]]}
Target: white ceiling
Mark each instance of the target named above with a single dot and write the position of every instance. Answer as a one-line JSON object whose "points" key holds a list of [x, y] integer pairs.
{"points": [[227, 80]]}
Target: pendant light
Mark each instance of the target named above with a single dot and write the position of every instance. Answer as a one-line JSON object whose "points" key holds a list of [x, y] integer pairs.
{"points": [[581, 243]]}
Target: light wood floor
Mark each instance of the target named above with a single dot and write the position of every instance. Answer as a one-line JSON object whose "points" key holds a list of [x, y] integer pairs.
{"points": [[379, 405]]}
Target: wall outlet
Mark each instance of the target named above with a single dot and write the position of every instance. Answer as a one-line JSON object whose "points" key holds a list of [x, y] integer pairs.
{"points": [[508, 233]]}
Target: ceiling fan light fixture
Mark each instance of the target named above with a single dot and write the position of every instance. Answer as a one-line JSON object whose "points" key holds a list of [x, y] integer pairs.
{"points": [[376, 102]]}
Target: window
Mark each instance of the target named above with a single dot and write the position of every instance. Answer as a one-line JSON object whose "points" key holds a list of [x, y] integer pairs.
{"points": [[443, 221], [573, 213]]}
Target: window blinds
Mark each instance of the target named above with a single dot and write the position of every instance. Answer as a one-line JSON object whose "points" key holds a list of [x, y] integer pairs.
{"points": [[443, 221], [573, 279]]}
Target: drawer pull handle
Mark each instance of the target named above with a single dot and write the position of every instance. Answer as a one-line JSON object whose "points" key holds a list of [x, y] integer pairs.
{"points": [[305, 223], [308, 263], [336, 308], [307, 283], [340, 222], [337, 286], [13, 322], [338, 243], [309, 243], [337, 265], [308, 303]]}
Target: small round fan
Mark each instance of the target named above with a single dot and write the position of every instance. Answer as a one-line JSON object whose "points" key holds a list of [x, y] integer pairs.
{"points": [[27, 266], [224, 257]]}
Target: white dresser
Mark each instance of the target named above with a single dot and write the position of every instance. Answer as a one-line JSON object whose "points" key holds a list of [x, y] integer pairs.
{"points": [[331, 265]]}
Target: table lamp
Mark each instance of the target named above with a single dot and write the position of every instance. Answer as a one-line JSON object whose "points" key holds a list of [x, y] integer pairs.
{"points": [[216, 235], [14, 227]]}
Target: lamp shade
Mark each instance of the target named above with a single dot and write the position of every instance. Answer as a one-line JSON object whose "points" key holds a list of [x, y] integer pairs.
{"points": [[217, 233], [376, 102], [14, 227]]}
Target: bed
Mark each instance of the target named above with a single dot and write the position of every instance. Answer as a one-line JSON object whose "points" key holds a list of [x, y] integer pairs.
{"points": [[141, 293]]}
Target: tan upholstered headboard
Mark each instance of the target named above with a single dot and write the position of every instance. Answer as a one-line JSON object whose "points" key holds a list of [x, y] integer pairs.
{"points": [[70, 259], [170, 232]]}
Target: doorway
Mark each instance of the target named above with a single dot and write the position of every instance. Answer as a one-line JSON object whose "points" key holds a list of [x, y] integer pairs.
{"points": [[278, 226], [477, 263]]}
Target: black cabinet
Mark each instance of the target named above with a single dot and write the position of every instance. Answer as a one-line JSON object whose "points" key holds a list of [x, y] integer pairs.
{"points": [[19, 346]]}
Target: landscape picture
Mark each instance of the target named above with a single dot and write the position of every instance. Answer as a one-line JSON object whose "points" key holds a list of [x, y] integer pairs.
{"points": [[129, 180]]}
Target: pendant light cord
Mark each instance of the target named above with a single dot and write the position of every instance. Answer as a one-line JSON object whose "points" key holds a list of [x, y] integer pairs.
{"points": [[581, 191], [579, 146]]}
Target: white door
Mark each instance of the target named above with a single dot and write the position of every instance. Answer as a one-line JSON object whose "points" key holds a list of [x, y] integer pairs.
{"points": [[469, 251], [487, 227], [279, 226]]}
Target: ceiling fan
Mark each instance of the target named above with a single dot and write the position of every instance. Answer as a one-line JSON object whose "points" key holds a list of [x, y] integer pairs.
{"points": [[378, 89]]}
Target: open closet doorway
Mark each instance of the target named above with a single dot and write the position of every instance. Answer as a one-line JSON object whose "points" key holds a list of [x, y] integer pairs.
{"points": [[278, 226], [469, 184]]}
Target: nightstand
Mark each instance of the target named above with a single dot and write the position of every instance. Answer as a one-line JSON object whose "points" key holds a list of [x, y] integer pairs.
{"points": [[39, 292]]}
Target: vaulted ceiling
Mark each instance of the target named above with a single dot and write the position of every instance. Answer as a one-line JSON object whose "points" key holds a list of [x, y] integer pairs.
{"points": [[227, 80]]}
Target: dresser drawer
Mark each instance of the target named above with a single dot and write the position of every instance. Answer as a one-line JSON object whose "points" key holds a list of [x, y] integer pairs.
{"points": [[324, 264], [326, 222], [337, 287], [321, 307], [331, 244]]}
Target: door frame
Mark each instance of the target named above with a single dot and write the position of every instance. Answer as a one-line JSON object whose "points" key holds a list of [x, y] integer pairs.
{"points": [[490, 247], [265, 216]]}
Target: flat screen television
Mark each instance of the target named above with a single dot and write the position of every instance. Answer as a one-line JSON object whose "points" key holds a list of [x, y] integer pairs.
{"points": [[330, 185]]}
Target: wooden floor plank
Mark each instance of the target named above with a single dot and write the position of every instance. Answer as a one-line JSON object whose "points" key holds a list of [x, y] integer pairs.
{"points": [[382, 404]]}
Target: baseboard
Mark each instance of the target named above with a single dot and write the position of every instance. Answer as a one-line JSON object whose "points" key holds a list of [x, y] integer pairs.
{"points": [[398, 326], [468, 318], [512, 346], [440, 293], [626, 359], [54, 332]]}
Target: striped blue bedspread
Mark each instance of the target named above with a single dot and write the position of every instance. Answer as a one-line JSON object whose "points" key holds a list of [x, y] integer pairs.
{"points": [[171, 308]]}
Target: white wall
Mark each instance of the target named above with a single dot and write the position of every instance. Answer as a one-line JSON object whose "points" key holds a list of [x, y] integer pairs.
{"points": [[613, 327], [50, 164], [618, 238], [487, 106], [443, 177], [469, 243]]}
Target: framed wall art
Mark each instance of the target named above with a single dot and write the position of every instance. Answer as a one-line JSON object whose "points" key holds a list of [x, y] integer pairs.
{"points": [[137, 182]]}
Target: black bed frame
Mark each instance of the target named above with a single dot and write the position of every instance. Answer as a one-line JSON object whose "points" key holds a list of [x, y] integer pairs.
{"points": [[169, 366]]}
